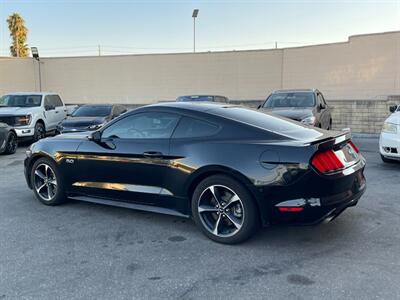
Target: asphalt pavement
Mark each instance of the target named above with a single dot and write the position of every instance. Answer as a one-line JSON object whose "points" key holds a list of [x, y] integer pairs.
{"points": [[88, 251]]}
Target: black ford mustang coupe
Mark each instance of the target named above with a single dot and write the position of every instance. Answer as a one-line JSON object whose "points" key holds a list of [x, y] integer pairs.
{"points": [[230, 168]]}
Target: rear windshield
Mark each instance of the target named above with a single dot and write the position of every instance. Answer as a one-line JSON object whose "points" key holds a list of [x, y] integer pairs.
{"points": [[268, 122], [298, 99], [92, 111]]}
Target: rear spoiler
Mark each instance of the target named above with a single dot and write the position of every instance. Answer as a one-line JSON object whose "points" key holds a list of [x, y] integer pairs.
{"points": [[333, 142]]}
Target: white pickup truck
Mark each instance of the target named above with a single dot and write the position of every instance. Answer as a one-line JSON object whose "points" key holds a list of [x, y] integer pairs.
{"points": [[32, 115]]}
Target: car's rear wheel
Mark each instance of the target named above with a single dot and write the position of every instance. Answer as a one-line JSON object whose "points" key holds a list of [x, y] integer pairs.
{"points": [[224, 210], [40, 132], [46, 182], [12, 143]]}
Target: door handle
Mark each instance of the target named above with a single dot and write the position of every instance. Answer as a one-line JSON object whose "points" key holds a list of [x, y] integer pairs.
{"points": [[152, 154], [57, 111]]}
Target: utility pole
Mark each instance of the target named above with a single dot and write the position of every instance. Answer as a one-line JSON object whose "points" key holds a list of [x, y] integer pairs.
{"points": [[276, 45], [99, 48], [194, 16]]}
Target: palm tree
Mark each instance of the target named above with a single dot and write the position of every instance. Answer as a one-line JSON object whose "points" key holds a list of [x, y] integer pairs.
{"points": [[18, 33]]}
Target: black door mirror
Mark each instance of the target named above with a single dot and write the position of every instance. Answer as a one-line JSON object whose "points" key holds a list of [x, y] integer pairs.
{"points": [[322, 106], [95, 136], [393, 108], [49, 107]]}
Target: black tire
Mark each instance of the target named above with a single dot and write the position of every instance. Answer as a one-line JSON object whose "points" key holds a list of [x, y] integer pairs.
{"points": [[56, 195], [387, 160], [12, 143], [249, 220], [40, 132]]}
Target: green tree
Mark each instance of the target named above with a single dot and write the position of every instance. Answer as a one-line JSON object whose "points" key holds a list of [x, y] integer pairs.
{"points": [[18, 33]]}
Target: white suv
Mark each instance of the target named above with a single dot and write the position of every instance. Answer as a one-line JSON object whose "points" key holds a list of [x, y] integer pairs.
{"points": [[32, 114], [389, 141]]}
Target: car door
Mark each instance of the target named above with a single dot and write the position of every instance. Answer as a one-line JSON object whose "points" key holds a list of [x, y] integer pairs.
{"points": [[129, 162], [324, 115], [60, 109], [50, 113]]}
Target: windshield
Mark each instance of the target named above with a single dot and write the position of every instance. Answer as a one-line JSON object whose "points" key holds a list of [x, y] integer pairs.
{"points": [[302, 99], [92, 111], [21, 100], [195, 98]]}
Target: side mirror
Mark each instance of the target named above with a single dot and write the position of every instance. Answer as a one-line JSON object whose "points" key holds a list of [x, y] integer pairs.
{"points": [[95, 136], [393, 108], [49, 107], [322, 106]]}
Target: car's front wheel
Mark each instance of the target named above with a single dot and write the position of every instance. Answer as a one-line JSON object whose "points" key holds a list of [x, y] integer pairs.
{"points": [[40, 132], [12, 143], [224, 210], [46, 182]]}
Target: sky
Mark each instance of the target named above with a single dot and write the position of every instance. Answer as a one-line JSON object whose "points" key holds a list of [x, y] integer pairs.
{"points": [[74, 28]]}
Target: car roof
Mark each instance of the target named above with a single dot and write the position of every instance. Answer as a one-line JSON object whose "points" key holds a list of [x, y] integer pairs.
{"points": [[32, 93], [202, 95], [295, 91], [193, 106]]}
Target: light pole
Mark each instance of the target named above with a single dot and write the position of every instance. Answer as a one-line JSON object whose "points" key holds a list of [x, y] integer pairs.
{"points": [[194, 16], [35, 55]]}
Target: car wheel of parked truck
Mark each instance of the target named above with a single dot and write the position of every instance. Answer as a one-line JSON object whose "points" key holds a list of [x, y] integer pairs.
{"points": [[40, 132], [47, 183], [12, 143]]}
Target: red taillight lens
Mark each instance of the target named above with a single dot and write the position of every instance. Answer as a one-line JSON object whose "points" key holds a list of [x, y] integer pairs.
{"points": [[354, 147], [290, 209], [327, 161]]}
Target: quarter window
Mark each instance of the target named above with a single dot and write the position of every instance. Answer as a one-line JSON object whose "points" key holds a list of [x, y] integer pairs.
{"points": [[191, 128], [154, 125]]}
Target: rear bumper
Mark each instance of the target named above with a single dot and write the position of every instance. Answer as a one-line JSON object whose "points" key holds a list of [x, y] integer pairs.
{"points": [[317, 198]]}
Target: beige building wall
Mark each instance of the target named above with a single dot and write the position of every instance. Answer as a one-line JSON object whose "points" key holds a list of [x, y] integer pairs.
{"points": [[365, 67]]}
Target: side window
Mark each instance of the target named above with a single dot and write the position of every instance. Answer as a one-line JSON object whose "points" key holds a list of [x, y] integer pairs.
{"points": [[57, 101], [47, 101], [191, 128], [321, 100], [151, 125]]}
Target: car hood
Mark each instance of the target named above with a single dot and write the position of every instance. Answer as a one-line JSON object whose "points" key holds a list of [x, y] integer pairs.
{"points": [[17, 111], [394, 118], [295, 113], [83, 121]]}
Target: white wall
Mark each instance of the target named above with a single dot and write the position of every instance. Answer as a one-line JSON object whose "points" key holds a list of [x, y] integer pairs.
{"points": [[365, 67]]}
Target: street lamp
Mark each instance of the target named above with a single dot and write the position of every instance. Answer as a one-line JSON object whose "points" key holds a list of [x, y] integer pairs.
{"points": [[35, 55], [194, 16]]}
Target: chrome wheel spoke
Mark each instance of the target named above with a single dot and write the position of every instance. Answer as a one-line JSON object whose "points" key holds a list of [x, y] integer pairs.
{"points": [[235, 221], [216, 226], [207, 208], [41, 187], [40, 174], [215, 194], [235, 198]]}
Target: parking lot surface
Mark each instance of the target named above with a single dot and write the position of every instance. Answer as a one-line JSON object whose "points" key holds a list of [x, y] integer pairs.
{"points": [[88, 251]]}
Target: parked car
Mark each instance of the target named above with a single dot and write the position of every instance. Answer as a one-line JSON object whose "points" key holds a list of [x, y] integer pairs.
{"points": [[228, 167], [90, 117], [389, 141], [8, 139], [202, 98], [306, 106], [32, 115]]}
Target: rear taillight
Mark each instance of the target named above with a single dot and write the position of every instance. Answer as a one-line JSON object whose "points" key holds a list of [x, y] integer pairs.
{"points": [[327, 161], [354, 147]]}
